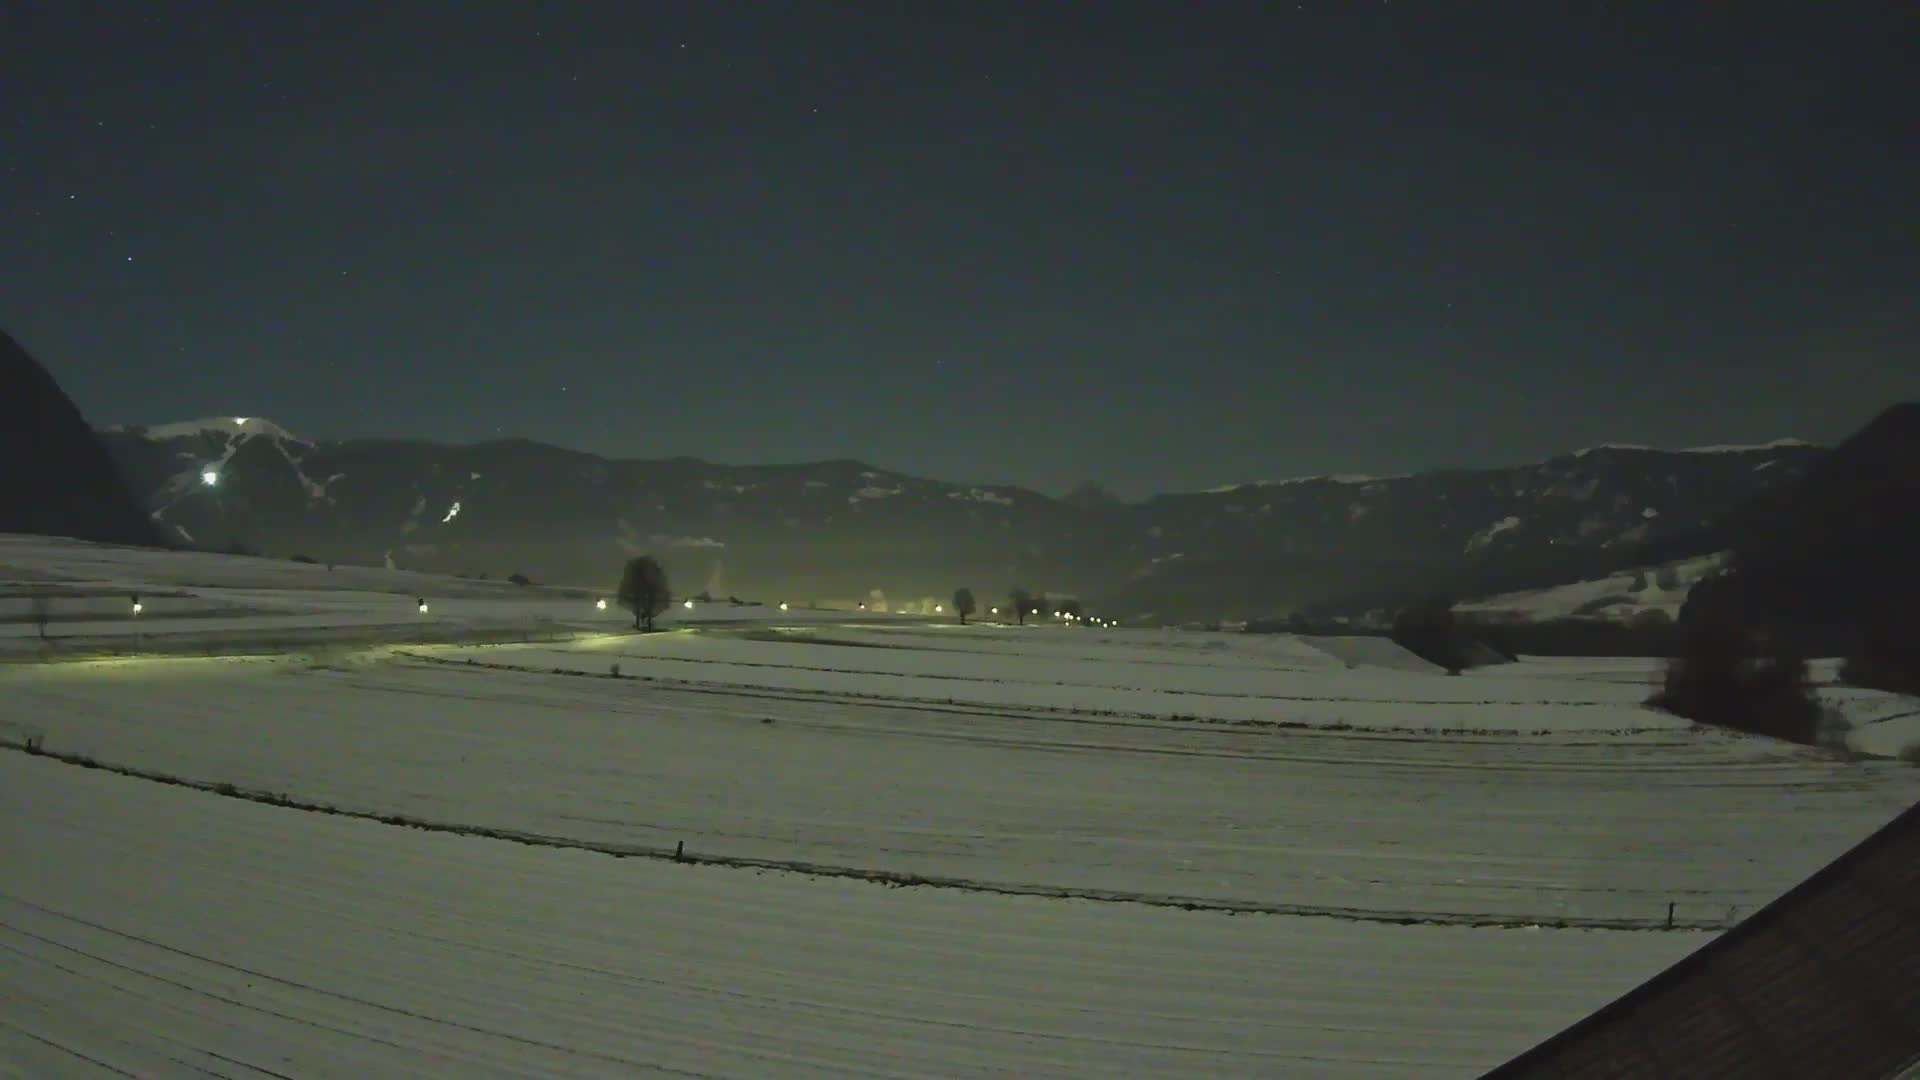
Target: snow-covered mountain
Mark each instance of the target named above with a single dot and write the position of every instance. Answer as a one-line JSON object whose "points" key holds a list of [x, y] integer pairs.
{"points": [[838, 529]]}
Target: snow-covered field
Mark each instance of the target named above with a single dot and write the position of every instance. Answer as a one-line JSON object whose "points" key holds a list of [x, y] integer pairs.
{"points": [[1385, 871], [192, 602]]}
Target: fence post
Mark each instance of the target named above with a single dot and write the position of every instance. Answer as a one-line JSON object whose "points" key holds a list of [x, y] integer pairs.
{"points": [[1669, 914]]}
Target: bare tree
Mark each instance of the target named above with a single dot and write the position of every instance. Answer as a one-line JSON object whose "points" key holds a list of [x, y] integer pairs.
{"points": [[644, 590], [1022, 602], [963, 603], [40, 610]]}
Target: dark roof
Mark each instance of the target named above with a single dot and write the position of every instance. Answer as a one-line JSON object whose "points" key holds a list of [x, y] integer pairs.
{"points": [[1823, 982]]}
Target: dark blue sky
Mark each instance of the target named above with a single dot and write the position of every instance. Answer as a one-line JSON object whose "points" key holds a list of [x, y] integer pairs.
{"points": [[1161, 245]]}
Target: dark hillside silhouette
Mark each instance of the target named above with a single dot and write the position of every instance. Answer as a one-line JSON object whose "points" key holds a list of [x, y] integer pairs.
{"points": [[58, 479]]}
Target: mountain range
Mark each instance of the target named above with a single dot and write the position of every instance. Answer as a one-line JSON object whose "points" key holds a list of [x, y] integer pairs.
{"points": [[845, 531]]}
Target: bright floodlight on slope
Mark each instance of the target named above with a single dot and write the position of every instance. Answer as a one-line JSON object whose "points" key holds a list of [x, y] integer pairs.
{"points": [[996, 611], [688, 605], [601, 604], [938, 608], [783, 605], [209, 477], [240, 420]]}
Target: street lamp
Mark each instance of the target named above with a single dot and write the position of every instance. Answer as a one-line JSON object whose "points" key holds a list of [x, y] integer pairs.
{"points": [[601, 603], [423, 605], [137, 608], [938, 608], [783, 605], [688, 605]]}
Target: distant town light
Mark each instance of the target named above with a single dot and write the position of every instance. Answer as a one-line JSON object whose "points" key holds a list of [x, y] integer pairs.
{"points": [[137, 608], [209, 477], [601, 604]]}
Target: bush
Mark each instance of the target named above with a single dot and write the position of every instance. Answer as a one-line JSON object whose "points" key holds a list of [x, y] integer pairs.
{"points": [[1720, 678], [519, 579], [1910, 753], [304, 559]]}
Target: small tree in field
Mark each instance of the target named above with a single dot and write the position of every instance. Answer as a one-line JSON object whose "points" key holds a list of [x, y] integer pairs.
{"points": [[1022, 602], [963, 603], [644, 591]]}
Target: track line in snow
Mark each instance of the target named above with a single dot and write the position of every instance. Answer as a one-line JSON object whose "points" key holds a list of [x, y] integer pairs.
{"points": [[1046, 712], [890, 878]]}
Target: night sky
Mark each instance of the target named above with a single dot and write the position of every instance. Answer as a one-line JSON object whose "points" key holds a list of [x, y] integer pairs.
{"points": [[1163, 246]]}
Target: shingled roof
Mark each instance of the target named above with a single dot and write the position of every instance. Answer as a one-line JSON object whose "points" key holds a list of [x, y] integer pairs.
{"points": [[1823, 982]]}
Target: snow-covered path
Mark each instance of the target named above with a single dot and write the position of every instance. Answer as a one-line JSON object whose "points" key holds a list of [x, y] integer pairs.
{"points": [[158, 931]]}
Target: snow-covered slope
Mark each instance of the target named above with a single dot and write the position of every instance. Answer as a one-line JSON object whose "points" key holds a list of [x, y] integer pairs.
{"points": [[226, 426], [1617, 597]]}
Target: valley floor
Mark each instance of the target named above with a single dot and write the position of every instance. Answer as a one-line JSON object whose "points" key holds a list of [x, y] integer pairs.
{"points": [[1136, 853]]}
